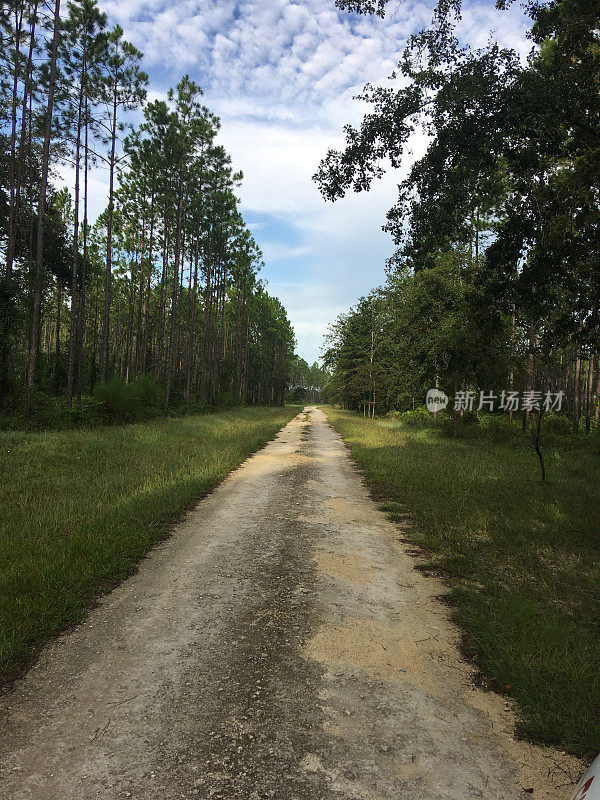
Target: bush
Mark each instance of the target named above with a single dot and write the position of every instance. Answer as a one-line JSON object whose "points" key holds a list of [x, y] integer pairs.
{"points": [[559, 424], [497, 428], [148, 392], [87, 412], [198, 406], [50, 412], [226, 400], [125, 402], [118, 401], [421, 417]]}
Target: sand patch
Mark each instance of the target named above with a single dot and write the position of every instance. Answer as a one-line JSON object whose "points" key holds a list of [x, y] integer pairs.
{"points": [[349, 568], [372, 647]]}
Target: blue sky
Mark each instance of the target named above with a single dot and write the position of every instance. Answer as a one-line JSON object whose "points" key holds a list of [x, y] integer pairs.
{"points": [[282, 74]]}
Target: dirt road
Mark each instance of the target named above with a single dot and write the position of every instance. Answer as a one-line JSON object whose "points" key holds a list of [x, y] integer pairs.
{"points": [[279, 645]]}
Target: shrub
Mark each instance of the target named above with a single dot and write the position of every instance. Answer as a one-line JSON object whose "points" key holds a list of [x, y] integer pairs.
{"points": [[50, 412], [226, 400], [119, 401], [87, 412], [147, 391], [559, 424], [420, 417]]}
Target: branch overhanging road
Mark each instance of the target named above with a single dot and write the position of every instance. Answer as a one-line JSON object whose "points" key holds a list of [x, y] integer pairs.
{"points": [[279, 645]]}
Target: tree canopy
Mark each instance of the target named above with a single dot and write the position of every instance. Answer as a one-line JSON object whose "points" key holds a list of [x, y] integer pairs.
{"points": [[510, 174], [164, 285]]}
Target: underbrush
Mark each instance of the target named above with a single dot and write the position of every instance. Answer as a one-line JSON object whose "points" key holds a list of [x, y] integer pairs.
{"points": [[113, 403]]}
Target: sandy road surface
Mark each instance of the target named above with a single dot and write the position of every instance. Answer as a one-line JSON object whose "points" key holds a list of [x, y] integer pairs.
{"points": [[279, 645]]}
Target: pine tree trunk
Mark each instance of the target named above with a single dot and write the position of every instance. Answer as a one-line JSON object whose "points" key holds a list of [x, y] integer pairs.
{"points": [[589, 394], [148, 288], [39, 255], [74, 306], [174, 298], [81, 340], [138, 335], [529, 376], [511, 377], [27, 94], [576, 391], [13, 141], [192, 318], [57, 351], [109, 228], [14, 210], [206, 328], [597, 405], [163, 286], [129, 331]]}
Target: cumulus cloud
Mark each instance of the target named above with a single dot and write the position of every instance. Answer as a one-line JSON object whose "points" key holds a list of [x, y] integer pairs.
{"points": [[277, 251], [282, 75]]}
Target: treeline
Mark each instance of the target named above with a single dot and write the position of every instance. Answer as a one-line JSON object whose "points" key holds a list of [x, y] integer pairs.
{"points": [[436, 328], [163, 286], [495, 285], [306, 381]]}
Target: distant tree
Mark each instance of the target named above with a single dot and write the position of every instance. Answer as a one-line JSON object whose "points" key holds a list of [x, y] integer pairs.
{"points": [[41, 213], [511, 170], [164, 287], [120, 87], [81, 50]]}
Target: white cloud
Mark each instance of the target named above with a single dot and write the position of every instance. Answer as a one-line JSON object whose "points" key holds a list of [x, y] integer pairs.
{"points": [[276, 251], [277, 163], [312, 307], [282, 75], [97, 188]]}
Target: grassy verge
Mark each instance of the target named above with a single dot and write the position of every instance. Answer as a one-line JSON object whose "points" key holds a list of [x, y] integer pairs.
{"points": [[521, 557], [80, 508]]}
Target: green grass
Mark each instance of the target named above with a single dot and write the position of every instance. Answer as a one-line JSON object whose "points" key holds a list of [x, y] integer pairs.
{"points": [[81, 508], [521, 557]]}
